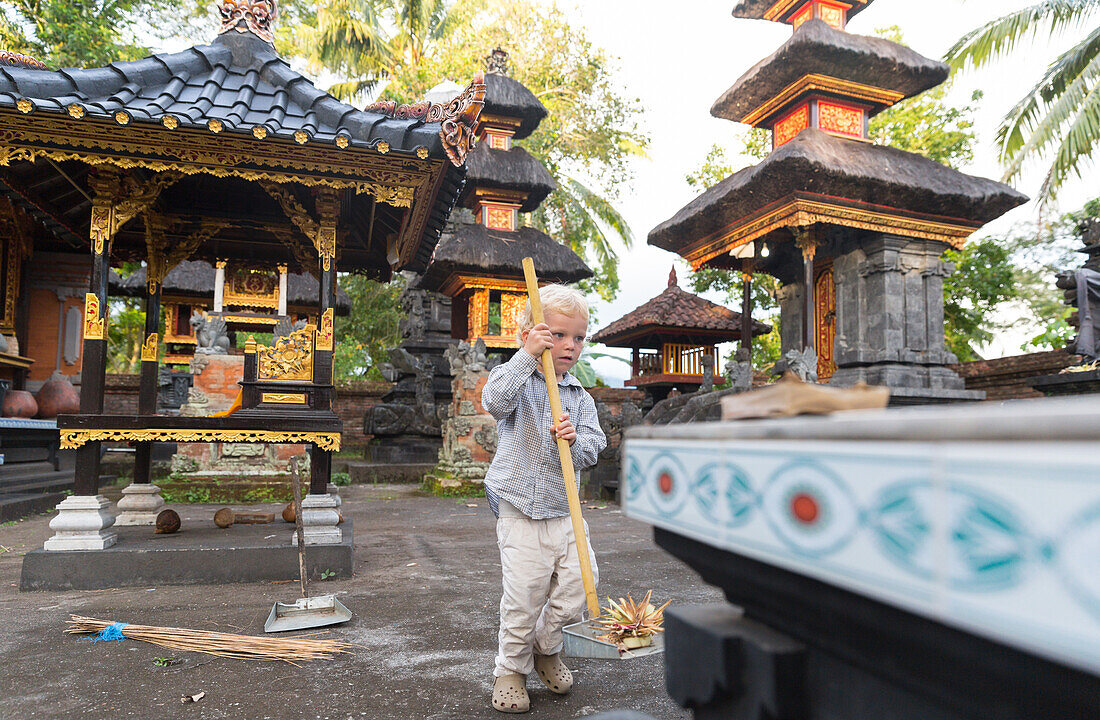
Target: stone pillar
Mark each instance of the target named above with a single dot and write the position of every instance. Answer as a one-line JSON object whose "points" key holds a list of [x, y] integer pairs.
{"points": [[282, 290], [746, 306], [219, 285], [807, 243], [83, 519], [889, 295]]}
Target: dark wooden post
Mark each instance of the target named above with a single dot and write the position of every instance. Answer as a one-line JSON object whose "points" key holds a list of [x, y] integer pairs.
{"points": [[804, 238], [150, 378], [105, 186], [328, 211], [746, 306]]}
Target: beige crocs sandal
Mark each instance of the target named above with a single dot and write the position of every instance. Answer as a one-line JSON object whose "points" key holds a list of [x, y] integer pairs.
{"points": [[553, 673], [510, 694]]}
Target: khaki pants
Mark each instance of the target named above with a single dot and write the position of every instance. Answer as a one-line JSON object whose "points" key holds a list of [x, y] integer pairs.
{"points": [[543, 591]]}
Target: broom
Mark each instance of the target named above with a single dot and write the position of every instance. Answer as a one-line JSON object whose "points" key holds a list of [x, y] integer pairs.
{"points": [[563, 447], [242, 647]]}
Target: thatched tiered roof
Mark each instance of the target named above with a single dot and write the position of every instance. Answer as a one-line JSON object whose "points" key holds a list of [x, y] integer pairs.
{"points": [[755, 9], [676, 312], [476, 250], [835, 170], [815, 47], [512, 169], [510, 98]]}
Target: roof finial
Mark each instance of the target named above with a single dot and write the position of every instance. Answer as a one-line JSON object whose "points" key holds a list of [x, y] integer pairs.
{"points": [[497, 62], [254, 16], [672, 277]]}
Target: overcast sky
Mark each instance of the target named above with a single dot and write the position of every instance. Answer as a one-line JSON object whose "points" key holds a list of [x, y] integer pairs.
{"points": [[679, 57]]}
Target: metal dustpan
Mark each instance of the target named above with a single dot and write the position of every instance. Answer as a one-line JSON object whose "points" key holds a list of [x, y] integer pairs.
{"points": [[306, 612], [582, 641]]}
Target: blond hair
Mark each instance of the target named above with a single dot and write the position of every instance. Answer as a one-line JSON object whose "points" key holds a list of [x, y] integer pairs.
{"points": [[555, 299]]}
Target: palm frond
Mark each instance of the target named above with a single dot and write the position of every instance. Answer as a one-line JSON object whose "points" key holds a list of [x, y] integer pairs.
{"points": [[604, 211], [1000, 37], [1043, 126], [1077, 145]]}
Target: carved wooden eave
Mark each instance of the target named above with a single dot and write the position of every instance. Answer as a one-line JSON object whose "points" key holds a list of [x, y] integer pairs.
{"points": [[273, 126]]}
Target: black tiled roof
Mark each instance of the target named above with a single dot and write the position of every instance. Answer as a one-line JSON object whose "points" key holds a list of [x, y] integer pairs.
{"points": [[238, 80]]}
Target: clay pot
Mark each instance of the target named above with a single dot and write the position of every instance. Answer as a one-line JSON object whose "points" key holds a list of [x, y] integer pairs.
{"points": [[19, 404], [58, 397], [168, 522]]}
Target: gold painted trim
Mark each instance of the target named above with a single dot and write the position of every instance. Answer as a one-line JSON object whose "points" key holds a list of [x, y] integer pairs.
{"points": [[802, 211], [149, 348], [815, 82], [324, 332], [73, 438], [94, 324], [456, 284], [283, 398], [245, 319]]}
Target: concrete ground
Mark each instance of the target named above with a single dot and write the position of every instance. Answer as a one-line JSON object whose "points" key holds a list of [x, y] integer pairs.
{"points": [[425, 597]]}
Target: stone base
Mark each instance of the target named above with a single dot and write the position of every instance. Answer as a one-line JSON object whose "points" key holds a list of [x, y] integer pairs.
{"points": [[319, 519], [442, 483], [199, 554], [899, 375], [363, 472], [81, 524], [140, 505]]}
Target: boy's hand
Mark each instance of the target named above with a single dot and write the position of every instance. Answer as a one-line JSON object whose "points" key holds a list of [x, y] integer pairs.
{"points": [[565, 429], [539, 338]]}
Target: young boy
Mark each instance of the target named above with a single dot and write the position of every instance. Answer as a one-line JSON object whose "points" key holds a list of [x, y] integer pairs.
{"points": [[543, 590]]}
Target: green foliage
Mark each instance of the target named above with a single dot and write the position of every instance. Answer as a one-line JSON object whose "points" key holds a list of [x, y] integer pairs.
{"points": [[182, 495], [1060, 114], [982, 280], [327, 574], [587, 374], [364, 337], [765, 348], [341, 479], [926, 125], [586, 142]]}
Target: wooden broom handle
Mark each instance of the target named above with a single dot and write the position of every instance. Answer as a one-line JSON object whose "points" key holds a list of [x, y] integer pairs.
{"points": [[563, 447]]}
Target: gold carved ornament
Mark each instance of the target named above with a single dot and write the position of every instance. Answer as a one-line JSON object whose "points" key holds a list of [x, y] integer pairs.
{"points": [[251, 287], [459, 123], [289, 358], [283, 398], [794, 123], [825, 323], [162, 255], [149, 348], [325, 331], [73, 438], [840, 119], [94, 323], [795, 211], [16, 228]]}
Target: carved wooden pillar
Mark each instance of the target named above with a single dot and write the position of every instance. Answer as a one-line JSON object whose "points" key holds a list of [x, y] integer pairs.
{"points": [[105, 186], [807, 243], [746, 306], [328, 211]]}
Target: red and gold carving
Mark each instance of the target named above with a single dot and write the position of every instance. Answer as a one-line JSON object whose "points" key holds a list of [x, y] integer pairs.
{"points": [[149, 348], [840, 119], [324, 331], [794, 123], [94, 323], [460, 120], [498, 140], [825, 323], [255, 16], [477, 318], [100, 228], [511, 307], [251, 287], [801, 16], [499, 217], [832, 15]]}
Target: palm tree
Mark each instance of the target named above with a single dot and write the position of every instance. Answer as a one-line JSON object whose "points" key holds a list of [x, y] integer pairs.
{"points": [[1062, 111]]}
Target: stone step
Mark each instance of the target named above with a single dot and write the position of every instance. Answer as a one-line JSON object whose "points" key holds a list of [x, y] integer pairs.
{"points": [[19, 505], [52, 481], [362, 471]]}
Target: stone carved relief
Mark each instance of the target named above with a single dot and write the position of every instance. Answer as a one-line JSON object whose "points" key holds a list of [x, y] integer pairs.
{"points": [[211, 334]]}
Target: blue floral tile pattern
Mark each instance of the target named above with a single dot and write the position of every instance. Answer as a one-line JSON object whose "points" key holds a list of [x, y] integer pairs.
{"points": [[1000, 541]]}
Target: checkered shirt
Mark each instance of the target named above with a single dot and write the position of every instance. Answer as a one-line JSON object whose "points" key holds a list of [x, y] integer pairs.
{"points": [[526, 470]]}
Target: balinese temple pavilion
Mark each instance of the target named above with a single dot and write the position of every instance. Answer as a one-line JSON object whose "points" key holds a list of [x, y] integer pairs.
{"points": [[479, 263], [670, 336], [250, 298], [221, 152], [855, 231]]}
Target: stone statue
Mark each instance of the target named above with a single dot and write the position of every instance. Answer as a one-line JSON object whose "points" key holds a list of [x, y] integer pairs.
{"points": [[211, 334], [739, 371], [802, 363], [284, 327], [707, 361]]}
